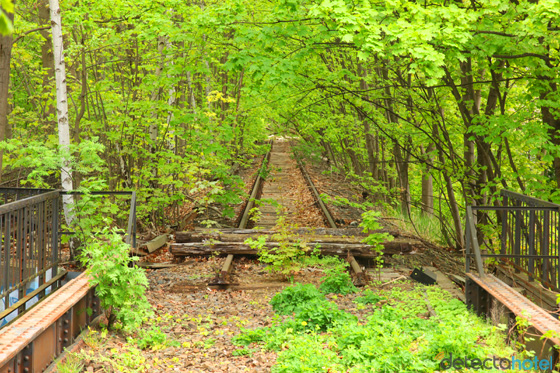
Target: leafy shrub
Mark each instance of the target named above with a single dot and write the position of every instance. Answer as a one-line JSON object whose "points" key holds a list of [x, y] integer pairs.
{"points": [[249, 336], [321, 315], [307, 354], [120, 287], [337, 281], [368, 297], [293, 297]]}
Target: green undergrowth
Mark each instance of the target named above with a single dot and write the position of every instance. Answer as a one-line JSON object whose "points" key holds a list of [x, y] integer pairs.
{"points": [[399, 336]]}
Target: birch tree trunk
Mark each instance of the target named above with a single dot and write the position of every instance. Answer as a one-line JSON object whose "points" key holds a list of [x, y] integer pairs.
{"points": [[62, 108]]}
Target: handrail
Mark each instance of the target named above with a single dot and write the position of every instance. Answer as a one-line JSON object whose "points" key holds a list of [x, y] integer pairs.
{"points": [[130, 236], [526, 199], [30, 253], [472, 240], [530, 237], [48, 193]]}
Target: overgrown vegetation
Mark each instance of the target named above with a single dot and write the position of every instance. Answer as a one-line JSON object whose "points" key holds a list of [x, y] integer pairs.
{"points": [[287, 257], [337, 280], [396, 337], [120, 287], [291, 298]]}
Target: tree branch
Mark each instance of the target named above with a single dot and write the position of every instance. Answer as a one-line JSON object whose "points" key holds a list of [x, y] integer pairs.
{"points": [[523, 55], [30, 31], [495, 33]]}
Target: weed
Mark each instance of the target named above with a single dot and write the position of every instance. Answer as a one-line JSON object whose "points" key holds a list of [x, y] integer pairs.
{"points": [[370, 223], [307, 354], [243, 352], [322, 338], [72, 364], [424, 225], [120, 287], [286, 258], [320, 315], [337, 280], [153, 338], [292, 297], [209, 343], [368, 297], [249, 336]]}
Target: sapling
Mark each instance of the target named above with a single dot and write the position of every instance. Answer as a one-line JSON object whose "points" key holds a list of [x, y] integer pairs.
{"points": [[375, 239]]}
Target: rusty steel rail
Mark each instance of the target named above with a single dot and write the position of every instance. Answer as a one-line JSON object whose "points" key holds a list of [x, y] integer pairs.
{"points": [[30, 343], [327, 215], [255, 191], [223, 277], [361, 277]]}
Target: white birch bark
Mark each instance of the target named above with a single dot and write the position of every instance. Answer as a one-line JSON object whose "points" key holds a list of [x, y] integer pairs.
{"points": [[62, 108]]}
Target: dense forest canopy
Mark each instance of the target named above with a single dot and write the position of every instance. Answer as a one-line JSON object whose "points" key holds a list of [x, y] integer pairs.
{"points": [[428, 105]]}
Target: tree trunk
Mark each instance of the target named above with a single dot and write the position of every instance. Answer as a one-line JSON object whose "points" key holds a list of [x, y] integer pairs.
{"points": [[62, 108], [428, 183]]}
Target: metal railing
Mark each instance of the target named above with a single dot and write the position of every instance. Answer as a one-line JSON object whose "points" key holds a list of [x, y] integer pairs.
{"points": [[29, 254], [529, 238], [129, 220], [30, 232], [13, 194], [8, 195]]}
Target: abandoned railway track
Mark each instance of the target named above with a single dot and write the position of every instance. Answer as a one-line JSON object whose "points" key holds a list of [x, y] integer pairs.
{"points": [[283, 193], [274, 200]]}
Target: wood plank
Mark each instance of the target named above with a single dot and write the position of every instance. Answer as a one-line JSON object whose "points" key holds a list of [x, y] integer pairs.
{"points": [[357, 250], [446, 284], [320, 234], [148, 265], [155, 244]]}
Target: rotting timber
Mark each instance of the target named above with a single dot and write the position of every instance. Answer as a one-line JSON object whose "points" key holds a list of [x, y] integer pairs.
{"points": [[233, 243], [343, 242]]}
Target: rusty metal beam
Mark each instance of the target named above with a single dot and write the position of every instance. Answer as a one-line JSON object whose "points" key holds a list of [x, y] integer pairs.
{"points": [[255, 191], [32, 341], [361, 278], [222, 278], [326, 213], [511, 299]]}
